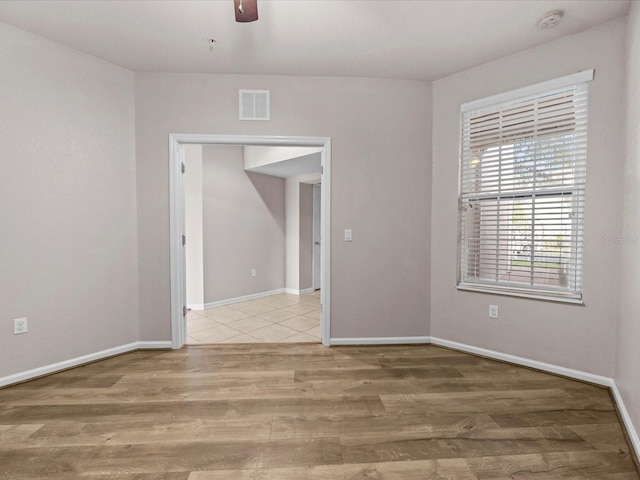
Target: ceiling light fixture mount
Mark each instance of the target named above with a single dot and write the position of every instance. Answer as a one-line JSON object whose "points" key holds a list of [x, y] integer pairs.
{"points": [[550, 19], [246, 10]]}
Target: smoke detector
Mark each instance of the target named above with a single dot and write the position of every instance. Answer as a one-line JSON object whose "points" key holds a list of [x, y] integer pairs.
{"points": [[550, 19]]}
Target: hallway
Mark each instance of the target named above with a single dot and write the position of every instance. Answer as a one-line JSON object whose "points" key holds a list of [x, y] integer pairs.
{"points": [[281, 318]]}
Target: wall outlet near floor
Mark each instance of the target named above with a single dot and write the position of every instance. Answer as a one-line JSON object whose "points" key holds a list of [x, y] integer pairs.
{"points": [[253, 272], [493, 311], [19, 326]]}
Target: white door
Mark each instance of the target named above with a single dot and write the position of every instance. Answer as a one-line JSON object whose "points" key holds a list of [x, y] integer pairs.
{"points": [[317, 238]]}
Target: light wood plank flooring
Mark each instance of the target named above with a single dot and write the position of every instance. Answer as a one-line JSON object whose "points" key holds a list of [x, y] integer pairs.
{"points": [[306, 412]]}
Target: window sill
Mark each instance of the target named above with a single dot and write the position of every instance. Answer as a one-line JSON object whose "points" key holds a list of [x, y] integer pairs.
{"points": [[523, 293]]}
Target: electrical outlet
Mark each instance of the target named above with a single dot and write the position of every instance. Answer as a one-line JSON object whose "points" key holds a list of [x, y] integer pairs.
{"points": [[19, 326], [493, 311], [253, 272]]}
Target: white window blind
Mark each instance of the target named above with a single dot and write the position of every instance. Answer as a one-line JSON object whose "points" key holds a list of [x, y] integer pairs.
{"points": [[522, 191]]}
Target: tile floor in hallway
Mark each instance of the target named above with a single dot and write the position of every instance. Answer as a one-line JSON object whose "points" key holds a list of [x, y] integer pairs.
{"points": [[280, 318]]}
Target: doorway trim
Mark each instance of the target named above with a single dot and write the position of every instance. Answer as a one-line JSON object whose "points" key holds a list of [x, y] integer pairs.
{"points": [[177, 213]]}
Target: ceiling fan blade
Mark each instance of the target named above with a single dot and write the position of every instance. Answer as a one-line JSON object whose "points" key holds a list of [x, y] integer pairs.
{"points": [[246, 10]]}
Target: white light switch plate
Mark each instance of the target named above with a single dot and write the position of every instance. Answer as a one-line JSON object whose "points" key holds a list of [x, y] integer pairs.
{"points": [[347, 235]]}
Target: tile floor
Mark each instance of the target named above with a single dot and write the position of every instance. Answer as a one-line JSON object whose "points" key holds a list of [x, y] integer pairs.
{"points": [[281, 318]]}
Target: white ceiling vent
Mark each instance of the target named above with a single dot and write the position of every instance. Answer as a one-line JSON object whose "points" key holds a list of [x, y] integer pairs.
{"points": [[254, 104]]}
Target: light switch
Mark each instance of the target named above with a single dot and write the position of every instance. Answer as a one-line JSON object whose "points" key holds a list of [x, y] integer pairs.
{"points": [[347, 235]]}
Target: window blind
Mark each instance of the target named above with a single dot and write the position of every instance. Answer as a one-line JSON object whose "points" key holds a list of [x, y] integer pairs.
{"points": [[522, 193]]}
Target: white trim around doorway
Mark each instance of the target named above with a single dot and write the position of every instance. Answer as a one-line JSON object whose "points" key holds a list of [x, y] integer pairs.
{"points": [[176, 218]]}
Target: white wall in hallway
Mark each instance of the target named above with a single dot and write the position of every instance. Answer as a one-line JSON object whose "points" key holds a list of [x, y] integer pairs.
{"points": [[243, 227], [194, 250]]}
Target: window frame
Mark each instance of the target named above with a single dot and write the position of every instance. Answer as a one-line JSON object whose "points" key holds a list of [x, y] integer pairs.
{"points": [[495, 287]]}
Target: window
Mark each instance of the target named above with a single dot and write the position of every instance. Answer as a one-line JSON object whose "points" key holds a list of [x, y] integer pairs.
{"points": [[522, 191]]}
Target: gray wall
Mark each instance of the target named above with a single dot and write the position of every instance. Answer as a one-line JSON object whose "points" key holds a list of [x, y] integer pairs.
{"points": [[243, 227], [627, 377], [579, 337], [292, 232], [305, 277], [381, 177], [67, 203]]}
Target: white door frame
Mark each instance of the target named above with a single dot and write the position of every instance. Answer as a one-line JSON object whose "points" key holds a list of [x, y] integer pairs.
{"points": [[176, 218], [316, 267]]}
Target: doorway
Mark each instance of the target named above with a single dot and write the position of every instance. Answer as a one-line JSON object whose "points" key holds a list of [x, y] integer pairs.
{"points": [[317, 236], [249, 248], [177, 217]]}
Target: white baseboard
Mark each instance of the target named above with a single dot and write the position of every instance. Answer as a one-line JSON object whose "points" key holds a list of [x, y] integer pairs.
{"points": [[157, 345], [304, 291], [633, 433], [74, 362], [547, 367], [526, 362], [379, 341], [566, 372], [244, 298]]}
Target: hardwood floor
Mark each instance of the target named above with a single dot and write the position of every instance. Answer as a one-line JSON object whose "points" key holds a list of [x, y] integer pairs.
{"points": [[306, 412]]}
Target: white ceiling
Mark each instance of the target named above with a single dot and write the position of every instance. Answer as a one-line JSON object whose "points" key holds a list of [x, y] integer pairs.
{"points": [[291, 167], [412, 39]]}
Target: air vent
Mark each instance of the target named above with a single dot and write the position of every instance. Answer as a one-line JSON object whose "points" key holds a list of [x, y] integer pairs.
{"points": [[254, 104]]}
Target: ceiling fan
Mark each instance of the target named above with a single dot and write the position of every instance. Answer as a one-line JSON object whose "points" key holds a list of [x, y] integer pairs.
{"points": [[246, 10]]}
